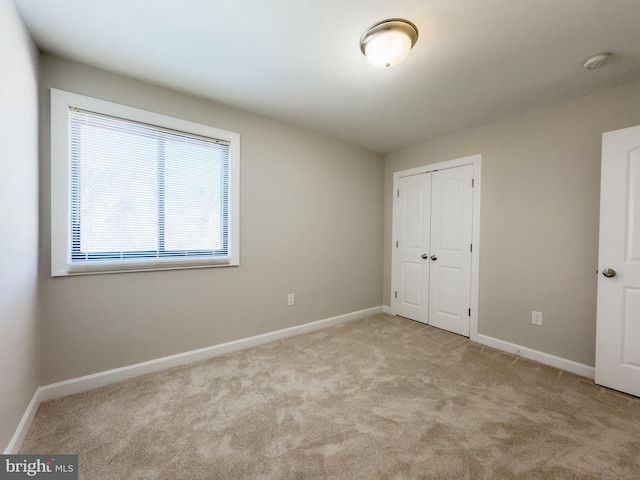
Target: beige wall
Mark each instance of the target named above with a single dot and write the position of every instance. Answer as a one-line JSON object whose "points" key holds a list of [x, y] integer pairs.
{"points": [[539, 218], [311, 223], [18, 221]]}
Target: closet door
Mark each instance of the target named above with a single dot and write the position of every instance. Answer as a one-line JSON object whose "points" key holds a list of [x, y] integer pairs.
{"points": [[431, 256], [450, 254], [411, 233]]}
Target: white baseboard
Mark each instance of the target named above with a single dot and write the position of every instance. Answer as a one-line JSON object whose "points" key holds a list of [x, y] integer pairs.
{"points": [[25, 423], [387, 310], [546, 358], [101, 379]]}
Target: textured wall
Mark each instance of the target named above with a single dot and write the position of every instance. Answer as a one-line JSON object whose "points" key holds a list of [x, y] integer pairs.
{"points": [[311, 224], [18, 220], [539, 218]]}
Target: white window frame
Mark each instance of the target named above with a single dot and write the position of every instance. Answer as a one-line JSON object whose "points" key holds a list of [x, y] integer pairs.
{"points": [[61, 265]]}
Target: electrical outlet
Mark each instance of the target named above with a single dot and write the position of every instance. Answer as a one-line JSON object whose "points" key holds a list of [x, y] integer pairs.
{"points": [[291, 299], [536, 318]]}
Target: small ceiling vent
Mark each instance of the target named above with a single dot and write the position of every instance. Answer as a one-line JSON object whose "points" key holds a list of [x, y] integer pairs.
{"points": [[596, 61]]}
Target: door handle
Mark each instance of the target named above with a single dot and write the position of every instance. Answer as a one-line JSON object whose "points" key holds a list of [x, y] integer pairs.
{"points": [[609, 272], [434, 257], [425, 256]]}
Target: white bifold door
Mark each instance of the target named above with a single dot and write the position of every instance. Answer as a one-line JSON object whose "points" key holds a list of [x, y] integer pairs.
{"points": [[431, 260], [618, 328]]}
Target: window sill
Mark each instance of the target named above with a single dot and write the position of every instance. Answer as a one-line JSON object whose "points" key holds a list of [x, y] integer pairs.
{"points": [[75, 270]]}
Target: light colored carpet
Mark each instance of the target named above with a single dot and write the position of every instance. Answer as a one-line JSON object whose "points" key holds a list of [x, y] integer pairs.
{"points": [[380, 397]]}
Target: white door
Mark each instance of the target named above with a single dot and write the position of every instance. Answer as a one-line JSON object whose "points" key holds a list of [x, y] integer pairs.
{"points": [[451, 238], [410, 267], [618, 328], [431, 259]]}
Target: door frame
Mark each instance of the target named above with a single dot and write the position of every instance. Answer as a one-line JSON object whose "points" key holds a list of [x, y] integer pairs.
{"points": [[476, 161]]}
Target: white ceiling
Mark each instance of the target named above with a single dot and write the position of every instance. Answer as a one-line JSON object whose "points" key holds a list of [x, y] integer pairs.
{"points": [[299, 61]]}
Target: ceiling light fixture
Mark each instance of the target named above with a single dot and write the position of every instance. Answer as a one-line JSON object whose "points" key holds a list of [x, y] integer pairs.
{"points": [[388, 43]]}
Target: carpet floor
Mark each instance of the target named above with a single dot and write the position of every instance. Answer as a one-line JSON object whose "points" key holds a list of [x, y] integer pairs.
{"points": [[377, 398]]}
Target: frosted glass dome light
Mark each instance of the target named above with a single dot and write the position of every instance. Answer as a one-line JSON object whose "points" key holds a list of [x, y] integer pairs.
{"points": [[388, 43]]}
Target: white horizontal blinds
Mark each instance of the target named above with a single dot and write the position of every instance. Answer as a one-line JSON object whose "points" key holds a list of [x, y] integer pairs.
{"points": [[143, 192], [196, 198]]}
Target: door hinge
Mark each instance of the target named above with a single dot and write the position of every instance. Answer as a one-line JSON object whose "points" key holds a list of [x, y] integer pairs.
{"points": [[471, 247], [396, 243], [398, 193], [469, 312], [473, 182], [396, 294]]}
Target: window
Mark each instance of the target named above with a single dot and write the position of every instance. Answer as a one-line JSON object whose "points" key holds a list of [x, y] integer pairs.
{"points": [[133, 190]]}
